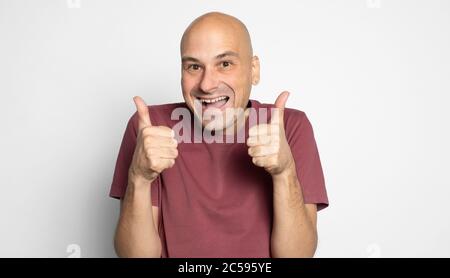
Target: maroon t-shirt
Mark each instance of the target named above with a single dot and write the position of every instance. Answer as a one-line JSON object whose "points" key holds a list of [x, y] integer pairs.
{"points": [[214, 202]]}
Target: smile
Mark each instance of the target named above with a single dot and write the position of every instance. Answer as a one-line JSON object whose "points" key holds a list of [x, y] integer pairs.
{"points": [[213, 100], [217, 102]]}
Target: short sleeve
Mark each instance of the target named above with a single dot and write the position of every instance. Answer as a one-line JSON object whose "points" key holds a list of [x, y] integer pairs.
{"points": [[124, 158], [301, 139]]}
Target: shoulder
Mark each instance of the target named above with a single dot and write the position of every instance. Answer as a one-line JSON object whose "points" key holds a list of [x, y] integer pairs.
{"points": [[294, 117]]}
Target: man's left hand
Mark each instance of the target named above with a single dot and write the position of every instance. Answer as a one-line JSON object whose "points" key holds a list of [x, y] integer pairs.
{"points": [[267, 143]]}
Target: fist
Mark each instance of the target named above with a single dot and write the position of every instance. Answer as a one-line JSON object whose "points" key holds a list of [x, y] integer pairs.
{"points": [[267, 143], [156, 147]]}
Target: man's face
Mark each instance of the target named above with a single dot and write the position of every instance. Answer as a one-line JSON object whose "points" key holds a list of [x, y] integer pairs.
{"points": [[217, 71]]}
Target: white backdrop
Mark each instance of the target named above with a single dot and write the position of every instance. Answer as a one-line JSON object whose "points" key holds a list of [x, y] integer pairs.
{"points": [[373, 77]]}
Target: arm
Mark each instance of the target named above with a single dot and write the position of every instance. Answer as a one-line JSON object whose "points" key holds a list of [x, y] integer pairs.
{"points": [[294, 232], [156, 150], [137, 229]]}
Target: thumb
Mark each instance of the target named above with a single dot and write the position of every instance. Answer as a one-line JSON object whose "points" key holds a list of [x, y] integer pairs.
{"points": [[280, 103], [281, 100], [144, 115]]}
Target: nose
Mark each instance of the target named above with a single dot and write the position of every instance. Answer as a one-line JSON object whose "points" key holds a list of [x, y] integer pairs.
{"points": [[209, 81]]}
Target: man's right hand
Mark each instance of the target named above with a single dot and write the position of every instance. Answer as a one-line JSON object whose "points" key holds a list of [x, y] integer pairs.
{"points": [[156, 147]]}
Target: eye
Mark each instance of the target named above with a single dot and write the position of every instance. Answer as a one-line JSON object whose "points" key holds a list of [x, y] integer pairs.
{"points": [[225, 64], [194, 67]]}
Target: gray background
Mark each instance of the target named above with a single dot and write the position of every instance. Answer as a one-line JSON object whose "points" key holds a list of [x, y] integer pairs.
{"points": [[373, 77]]}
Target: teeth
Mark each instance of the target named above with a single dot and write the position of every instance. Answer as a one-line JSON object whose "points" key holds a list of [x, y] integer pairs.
{"points": [[212, 100]]}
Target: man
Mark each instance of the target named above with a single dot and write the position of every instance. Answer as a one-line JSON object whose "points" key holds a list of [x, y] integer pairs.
{"points": [[198, 199]]}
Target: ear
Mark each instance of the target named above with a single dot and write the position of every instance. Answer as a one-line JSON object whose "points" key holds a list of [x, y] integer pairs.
{"points": [[255, 70]]}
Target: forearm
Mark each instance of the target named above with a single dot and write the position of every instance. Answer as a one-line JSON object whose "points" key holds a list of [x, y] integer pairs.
{"points": [[136, 234], [293, 232]]}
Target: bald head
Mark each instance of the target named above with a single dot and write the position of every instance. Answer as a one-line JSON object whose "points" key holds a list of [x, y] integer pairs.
{"points": [[218, 24]]}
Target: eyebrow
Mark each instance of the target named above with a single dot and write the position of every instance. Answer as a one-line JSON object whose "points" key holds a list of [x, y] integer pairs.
{"points": [[189, 59], [220, 56]]}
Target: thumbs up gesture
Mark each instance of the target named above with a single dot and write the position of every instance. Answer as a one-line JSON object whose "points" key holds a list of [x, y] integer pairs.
{"points": [[267, 143], [156, 147]]}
